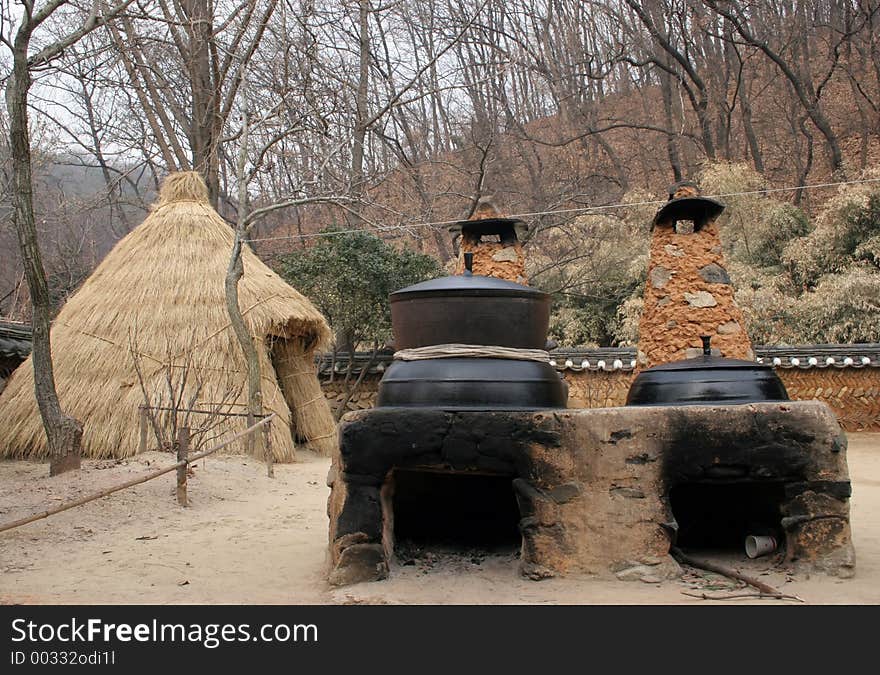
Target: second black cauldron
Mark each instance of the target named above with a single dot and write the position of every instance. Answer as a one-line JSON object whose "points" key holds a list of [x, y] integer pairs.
{"points": [[706, 380]]}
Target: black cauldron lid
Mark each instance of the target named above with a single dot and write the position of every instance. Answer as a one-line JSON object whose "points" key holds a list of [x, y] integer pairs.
{"points": [[704, 362], [468, 284]]}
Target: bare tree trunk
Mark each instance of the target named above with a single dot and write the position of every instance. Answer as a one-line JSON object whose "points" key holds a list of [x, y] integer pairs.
{"points": [[802, 86], [234, 273], [671, 137], [63, 433], [361, 115], [807, 165], [204, 132], [751, 137]]}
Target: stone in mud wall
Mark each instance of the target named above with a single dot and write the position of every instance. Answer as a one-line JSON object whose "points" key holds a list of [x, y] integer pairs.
{"points": [[506, 254], [660, 276], [700, 299], [713, 273]]}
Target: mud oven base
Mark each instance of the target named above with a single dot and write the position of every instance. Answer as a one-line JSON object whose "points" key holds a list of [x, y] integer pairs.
{"points": [[598, 491]]}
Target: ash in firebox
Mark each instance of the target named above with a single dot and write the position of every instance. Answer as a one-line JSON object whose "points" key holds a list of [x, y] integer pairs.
{"points": [[452, 557]]}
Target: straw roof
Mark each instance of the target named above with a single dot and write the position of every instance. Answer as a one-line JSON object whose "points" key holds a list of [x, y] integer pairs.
{"points": [[160, 294]]}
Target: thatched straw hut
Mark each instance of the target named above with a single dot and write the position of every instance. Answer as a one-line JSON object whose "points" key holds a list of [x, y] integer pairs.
{"points": [[156, 305]]}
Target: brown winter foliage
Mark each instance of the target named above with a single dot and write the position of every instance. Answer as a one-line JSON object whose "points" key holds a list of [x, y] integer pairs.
{"points": [[386, 118]]}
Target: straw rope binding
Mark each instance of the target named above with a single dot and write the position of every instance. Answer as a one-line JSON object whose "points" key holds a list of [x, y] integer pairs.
{"points": [[456, 351]]}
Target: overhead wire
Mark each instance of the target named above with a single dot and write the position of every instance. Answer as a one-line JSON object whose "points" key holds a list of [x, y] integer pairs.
{"points": [[573, 210]]}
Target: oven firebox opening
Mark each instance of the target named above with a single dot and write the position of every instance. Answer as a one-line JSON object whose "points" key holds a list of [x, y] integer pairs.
{"points": [[719, 516], [455, 511]]}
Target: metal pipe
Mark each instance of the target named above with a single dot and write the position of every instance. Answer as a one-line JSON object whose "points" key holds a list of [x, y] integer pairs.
{"points": [[707, 349]]}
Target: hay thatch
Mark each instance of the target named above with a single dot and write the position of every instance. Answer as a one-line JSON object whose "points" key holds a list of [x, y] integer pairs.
{"points": [[162, 288], [312, 418]]}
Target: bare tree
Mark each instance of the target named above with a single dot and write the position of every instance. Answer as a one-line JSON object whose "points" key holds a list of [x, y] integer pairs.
{"points": [[64, 433], [185, 63], [234, 274], [173, 395], [803, 83]]}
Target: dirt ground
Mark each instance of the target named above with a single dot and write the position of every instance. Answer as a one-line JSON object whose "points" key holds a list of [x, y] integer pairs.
{"points": [[250, 539]]}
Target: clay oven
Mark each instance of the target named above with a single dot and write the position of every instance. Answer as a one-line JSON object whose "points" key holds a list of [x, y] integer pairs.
{"points": [[472, 443]]}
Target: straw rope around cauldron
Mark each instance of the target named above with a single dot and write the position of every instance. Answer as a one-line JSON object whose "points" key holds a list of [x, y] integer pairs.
{"points": [[456, 351]]}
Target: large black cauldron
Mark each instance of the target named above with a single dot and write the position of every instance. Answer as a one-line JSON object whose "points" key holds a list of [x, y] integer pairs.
{"points": [[470, 309], [472, 384], [706, 380]]}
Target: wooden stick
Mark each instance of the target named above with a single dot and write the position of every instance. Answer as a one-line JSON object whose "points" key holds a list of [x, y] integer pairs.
{"points": [[267, 448], [203, 412], [143, 428], [735, 596], [182, 464], [766, 589], [133, 482]]}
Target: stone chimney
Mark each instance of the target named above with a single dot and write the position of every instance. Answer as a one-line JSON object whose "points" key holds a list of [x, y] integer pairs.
{"points": [[688, 293], [494, 241]]}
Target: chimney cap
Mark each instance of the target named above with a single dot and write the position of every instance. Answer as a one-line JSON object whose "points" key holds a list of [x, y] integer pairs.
{"points": [[686, 203], [486, 219], [504, 227]]}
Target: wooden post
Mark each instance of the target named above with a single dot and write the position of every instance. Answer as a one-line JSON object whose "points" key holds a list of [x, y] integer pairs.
{"points": [[182, 453], [267, 448], [143, 427]]}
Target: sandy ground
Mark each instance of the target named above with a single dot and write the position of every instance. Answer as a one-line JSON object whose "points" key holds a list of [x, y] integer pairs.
{"points": [[247, 538]]}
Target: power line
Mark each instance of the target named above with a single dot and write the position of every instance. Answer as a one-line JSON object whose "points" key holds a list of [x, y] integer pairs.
{"points": [[581, 209]]}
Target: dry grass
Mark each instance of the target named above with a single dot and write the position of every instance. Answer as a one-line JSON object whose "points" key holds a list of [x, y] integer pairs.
{"points": [[312, 417], [163, 285]]}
